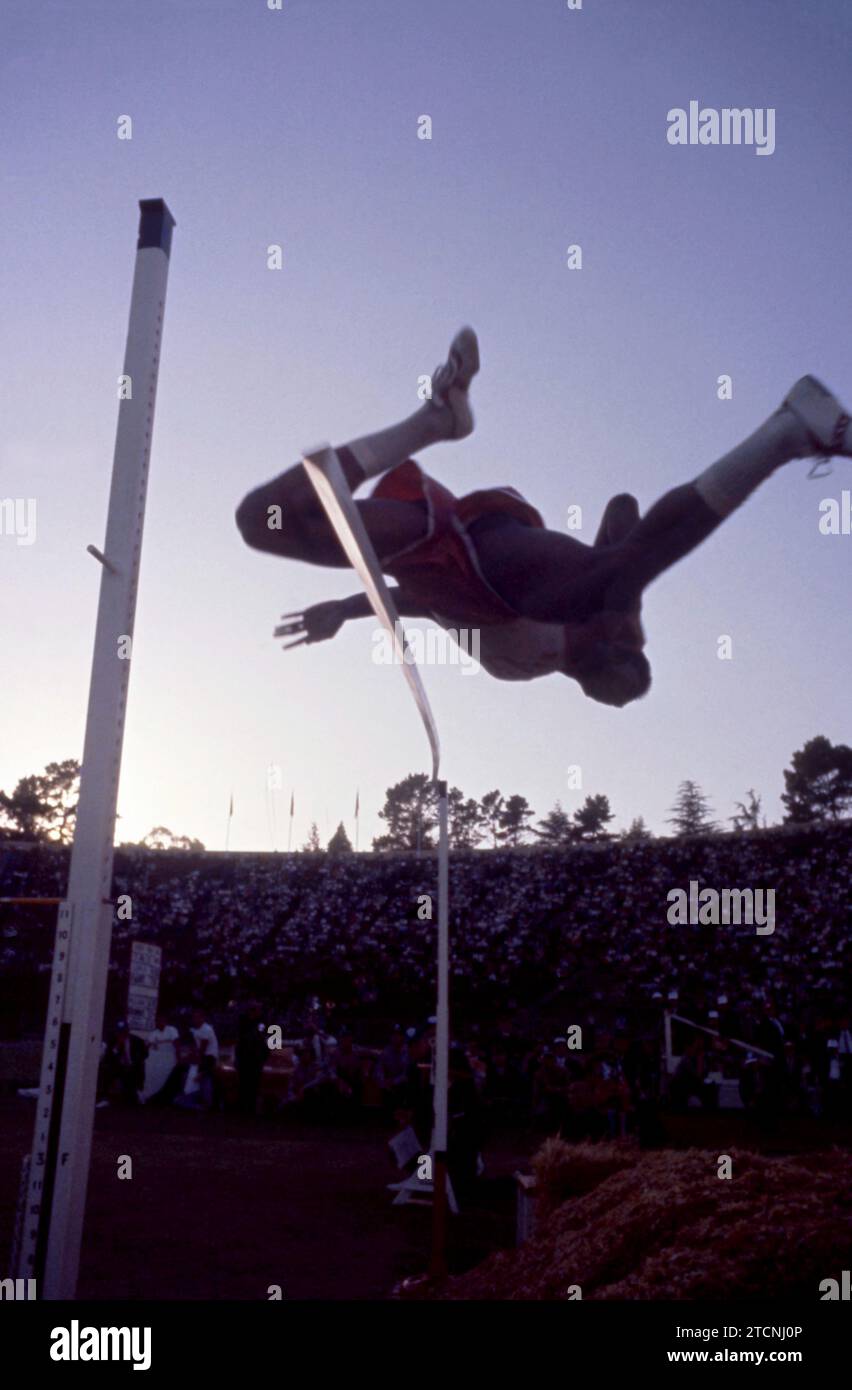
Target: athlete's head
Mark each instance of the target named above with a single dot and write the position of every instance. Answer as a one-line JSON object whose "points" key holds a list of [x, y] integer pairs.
{"points": [[612, 673]]}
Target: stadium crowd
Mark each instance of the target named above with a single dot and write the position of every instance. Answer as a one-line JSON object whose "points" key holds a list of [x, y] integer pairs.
{"points": [[339, 947]]}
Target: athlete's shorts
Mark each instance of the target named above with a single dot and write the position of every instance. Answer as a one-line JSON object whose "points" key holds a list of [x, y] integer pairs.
{"points": [[442, 570]]}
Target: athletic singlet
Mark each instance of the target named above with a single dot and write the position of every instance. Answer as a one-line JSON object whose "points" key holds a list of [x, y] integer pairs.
{"points": [[442, 572]]}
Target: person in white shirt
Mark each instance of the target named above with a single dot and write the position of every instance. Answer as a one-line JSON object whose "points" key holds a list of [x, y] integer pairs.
{"points": [[199, 1085], [162, 1056], [205, 1036]]}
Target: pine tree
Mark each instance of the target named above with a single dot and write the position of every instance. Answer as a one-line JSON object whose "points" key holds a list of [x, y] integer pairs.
{"points": [[748, 814], [312, 844], [556, 827], [492, 809], [339, 842], [60, 787], [591, 819], [636, 832], [691, 811], [410, 813], [819, 784], [465, 817], [43, 806], [23, 810], [514, 820]]}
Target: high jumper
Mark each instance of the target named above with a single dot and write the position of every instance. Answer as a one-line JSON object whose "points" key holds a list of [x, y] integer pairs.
{"points": [[542, 601]]}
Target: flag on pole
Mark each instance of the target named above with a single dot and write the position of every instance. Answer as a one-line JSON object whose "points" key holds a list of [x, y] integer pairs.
{"points": [[292, 803], [357, 804], [228, 822]]}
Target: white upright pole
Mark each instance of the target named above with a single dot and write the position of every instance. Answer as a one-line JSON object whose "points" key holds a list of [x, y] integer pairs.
{"points": [[442, 1047], [51, 1233], [442, 1031]]}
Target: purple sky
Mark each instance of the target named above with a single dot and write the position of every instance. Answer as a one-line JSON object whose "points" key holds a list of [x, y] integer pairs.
{"points": [[300, 127]]}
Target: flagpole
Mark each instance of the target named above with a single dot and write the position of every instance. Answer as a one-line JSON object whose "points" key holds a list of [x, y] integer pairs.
{"points": [[290, 831], [228, 823]]}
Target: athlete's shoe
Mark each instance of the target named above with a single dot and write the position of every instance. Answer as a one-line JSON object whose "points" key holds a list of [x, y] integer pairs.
{"points": [[824, 418], [451, 380]]}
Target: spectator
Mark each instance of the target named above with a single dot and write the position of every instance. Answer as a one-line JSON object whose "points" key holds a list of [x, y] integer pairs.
{"points": [[690, 1078], [643, 1076], [416, 1094], [250, 1056], [844, 1056], [162, 1055], [312, 1087], [391, 1069], [200, 1082], [347, 1067], [123, 1062], [581, 931]]}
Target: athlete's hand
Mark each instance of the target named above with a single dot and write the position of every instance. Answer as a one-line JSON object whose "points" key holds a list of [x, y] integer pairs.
{"points": [[315, 624]]}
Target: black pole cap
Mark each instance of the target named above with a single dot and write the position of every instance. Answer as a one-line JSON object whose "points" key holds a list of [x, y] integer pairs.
{"points": [[155, 225]]}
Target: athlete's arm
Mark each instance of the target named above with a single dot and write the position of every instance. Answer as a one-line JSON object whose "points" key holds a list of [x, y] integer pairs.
{"points": [[359, 606], [324, 620]]}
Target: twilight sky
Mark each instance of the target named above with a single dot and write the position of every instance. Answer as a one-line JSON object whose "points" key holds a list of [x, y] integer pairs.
{"points": [[299, 127]]}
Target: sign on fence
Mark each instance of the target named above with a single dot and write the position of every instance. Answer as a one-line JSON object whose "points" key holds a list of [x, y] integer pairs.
{"points": [[144, 988]]}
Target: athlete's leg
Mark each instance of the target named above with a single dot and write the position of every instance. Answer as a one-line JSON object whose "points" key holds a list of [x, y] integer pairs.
{"points": [[687, 515], [548, 573], [551, 577], [285, 516]]}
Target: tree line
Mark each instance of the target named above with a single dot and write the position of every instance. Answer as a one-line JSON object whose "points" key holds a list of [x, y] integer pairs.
{"points": [[818, 788]]}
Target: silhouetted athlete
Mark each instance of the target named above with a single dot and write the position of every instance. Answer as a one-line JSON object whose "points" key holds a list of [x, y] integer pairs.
{"points": [[542, 601]]}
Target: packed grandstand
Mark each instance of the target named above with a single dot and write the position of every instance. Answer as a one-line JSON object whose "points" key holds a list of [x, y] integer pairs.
{"points": [[541, 940]]}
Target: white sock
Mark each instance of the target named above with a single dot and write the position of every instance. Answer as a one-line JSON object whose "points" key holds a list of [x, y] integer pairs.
{"points": [[376, 453], [728, 482]]}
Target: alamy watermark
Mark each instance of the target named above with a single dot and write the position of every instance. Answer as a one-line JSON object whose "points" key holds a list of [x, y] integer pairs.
{"points": [[82, 1343], [730, 125], [710, 907], [836, 516], [19, 1290], [434, 647], [18, 519]]}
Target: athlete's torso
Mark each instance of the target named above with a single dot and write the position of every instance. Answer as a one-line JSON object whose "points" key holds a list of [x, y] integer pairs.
{"points": [[522, 650], [443, 574], [515, 650]]}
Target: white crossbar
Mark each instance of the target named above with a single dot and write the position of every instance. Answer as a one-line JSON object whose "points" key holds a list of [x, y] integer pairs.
{"points": [[323, 468]]}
